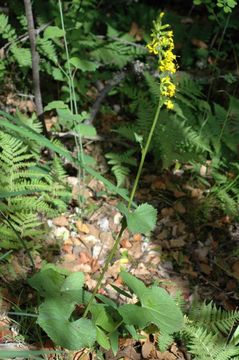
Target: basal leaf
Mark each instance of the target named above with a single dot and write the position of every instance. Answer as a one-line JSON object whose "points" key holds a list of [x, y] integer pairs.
{"points": [[137, 286], [102, 338], [114, 341], [157, 307], [101, 317], [47, 282], [53, 318], [74, 281]]}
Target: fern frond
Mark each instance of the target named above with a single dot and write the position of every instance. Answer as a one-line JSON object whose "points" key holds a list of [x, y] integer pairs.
{"points": [[213, 318], [47, 48], [202, 344], [118, 162], [6, 30], [164, 341], [21, 55]]}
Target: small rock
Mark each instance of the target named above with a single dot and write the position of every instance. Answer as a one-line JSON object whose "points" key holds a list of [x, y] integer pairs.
{"points": [[62, 233], [103, 224]]}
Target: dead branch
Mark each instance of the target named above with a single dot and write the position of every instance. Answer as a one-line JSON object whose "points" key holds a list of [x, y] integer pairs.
{"points": [[35, 64]]}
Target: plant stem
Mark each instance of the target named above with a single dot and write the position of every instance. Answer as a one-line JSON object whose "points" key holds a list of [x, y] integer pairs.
{"points": [[105, 268], [144, 153], [124, 225]]}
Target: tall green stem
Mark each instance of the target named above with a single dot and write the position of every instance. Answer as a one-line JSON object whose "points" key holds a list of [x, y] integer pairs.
{"points": [[144, 153], [107, 263], [124, 225]]}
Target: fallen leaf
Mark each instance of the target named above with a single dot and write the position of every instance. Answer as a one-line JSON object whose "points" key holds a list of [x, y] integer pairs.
{"points": [[179, 208], [199, 43], [60, 221], [67, 248], [137, 237], [205, 268], [179, 242], [147, 349], [125, 243], [235, 269], [82, 227]]}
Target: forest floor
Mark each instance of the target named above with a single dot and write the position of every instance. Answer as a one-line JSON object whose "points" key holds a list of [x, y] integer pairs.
{"points": [[183, 253]]}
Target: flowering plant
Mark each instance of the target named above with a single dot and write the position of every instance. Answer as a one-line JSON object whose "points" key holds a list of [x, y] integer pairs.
{"points": [[162, 44]]}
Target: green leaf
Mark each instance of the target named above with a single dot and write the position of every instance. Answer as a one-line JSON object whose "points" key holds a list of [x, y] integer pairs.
{"points": [[157, 307], [102, 338], [58, 104], [47, 282], [106, 300], [58, 74], [53, 32], [84, 65], [74, 281], [86, 130], [14, 124], [66, 116], [141, 220], [53, 318], [137, 286], [101, 317], [114, 341]]}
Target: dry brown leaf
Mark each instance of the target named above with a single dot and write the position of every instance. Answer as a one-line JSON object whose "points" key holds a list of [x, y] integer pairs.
{"points": [[147, 349], [235, 269], [125, 243], [158, 185], [180, 208], [179, 242], [166, 355], [197, 193], [81, 227], [60, 221], [199, 43], [167, 211], [67, 248], [84, 258], [137, 237], [135, 31]]}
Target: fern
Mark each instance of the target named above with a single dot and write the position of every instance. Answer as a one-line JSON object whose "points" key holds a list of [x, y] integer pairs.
{"points": [[164, 341], [21, 55], [47, 49], [206, 346], [6, 30], [206, 332], [19, 172], [119, 162], [213, 318]]}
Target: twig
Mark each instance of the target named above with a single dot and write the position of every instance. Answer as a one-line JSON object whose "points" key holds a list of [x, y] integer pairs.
{"points": [[122, 41], [111, 83], [35, 64]]}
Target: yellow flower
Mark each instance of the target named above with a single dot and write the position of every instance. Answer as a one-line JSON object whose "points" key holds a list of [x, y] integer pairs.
{"points": [[167, 88], [169, 104], [162, 45]]}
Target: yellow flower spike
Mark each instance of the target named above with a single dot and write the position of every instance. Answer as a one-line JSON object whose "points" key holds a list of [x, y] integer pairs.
{"points": [[169, 104], [162, 45]]}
